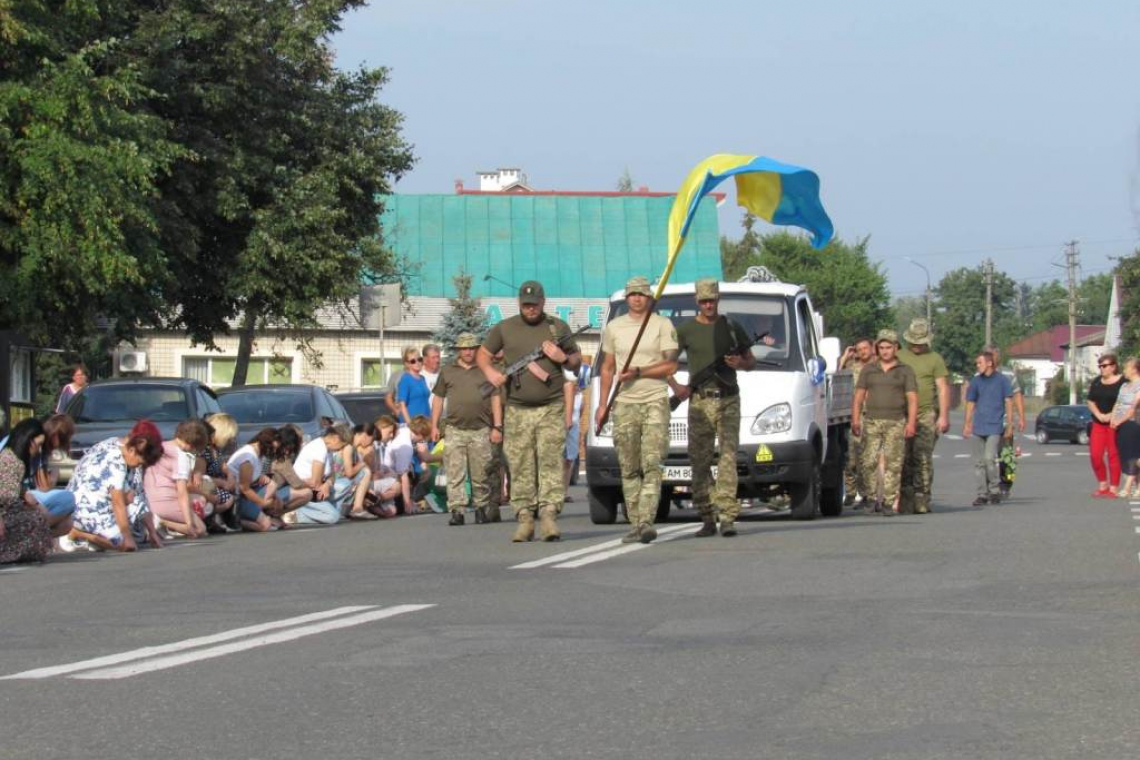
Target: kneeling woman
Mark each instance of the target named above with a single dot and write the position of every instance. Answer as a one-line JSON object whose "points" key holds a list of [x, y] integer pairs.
{"points": [[24, 532], [167, 483], [257, 494], [110, 504]]}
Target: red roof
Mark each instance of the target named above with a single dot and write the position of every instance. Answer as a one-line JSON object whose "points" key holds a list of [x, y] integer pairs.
{"points": [[1050, 344]]}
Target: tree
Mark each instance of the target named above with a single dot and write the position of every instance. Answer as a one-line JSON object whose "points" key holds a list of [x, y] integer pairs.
{"points": [[466, 315], [907, 309], [1129, 271], [961, 307], [625, 182], [845, 286]]}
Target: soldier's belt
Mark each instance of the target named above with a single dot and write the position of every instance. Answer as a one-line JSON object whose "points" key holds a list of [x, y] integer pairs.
{"points": [[714, 392]]}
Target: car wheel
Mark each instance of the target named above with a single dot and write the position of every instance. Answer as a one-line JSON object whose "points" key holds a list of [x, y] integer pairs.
{"points": [[604, 505], [1042, 436], [805, 496], [1083, 438]]}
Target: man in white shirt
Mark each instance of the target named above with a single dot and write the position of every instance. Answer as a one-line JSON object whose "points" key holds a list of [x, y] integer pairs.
{"points": [[314, 465]]}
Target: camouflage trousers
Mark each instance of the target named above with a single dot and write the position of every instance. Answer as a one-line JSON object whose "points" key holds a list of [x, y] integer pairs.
{"points": [[534, 438], [467, 453], [714, 437], [641, 438], [853, 480], [888, 439], [918, 466], [497, 474]]}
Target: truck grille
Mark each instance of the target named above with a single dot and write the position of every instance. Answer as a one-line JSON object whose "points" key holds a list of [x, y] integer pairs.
{"points": [[678, 431]]}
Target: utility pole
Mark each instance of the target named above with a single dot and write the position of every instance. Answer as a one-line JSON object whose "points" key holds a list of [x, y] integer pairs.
{"points": [[1072, 261], [988, 270]]}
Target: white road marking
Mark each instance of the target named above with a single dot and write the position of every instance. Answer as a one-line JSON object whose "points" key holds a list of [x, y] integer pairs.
{"points": [[1053, 454], [961, 456], [953, 437], [185, 658], [1138, 530], [556, 558], [199, 641], [1081, 454], [1029, 437], [1027, 454], [936, 456], [628, 548], [12, 570]]}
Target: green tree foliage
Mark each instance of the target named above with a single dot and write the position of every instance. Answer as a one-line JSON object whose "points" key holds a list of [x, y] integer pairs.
{"points": [[625, 182], [466, 315], [906, 309], [849, 290], [1049, 303], [961, 316], [1129, 271]]}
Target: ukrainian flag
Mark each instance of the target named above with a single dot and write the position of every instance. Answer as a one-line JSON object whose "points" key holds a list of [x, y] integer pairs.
{"points": [[776, 192]]}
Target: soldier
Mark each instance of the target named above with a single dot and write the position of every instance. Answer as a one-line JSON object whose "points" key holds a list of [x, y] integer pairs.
{"points": [[930, 375], [534, 434], [713, 341], [641, 410], [855, 358], [889, 391], [474, 424]]}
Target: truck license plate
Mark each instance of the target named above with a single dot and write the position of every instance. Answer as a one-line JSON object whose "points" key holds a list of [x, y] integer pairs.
{"points": [[681, 474]]}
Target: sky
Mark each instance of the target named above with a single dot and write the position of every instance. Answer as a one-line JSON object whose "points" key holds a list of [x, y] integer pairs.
{"points": [[946, 132]]}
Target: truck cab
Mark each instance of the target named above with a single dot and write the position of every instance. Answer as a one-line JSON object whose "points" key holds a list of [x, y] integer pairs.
{"points": [[794, 409]]}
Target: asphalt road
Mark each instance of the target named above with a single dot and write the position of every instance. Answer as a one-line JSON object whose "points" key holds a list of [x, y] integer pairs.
{"points": [[1007, 632]]}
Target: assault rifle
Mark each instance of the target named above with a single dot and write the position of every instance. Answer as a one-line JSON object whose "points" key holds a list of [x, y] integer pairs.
{"points": [[515, 369], [712, 371]]}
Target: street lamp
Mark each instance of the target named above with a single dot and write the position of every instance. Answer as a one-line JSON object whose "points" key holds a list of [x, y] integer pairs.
{"points": [[929, 312], [502, 282]]}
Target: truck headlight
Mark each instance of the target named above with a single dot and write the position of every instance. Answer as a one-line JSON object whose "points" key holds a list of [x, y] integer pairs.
{"points": [[774, 419]]}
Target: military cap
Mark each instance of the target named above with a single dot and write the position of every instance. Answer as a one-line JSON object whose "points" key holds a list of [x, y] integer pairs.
{"points": [[889, 336], [918, 332], [531, 292], [638, 285], [467, 340], [707, 288]]}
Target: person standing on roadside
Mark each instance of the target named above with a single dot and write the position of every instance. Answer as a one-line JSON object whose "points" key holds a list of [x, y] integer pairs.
{"points": [[989, 420], [855, 358], [930, 375], [1127, 430], [78, 383], [474, 425], [641, 409], [1103, 392], [885, 414], [712, 340], [534, 430]]}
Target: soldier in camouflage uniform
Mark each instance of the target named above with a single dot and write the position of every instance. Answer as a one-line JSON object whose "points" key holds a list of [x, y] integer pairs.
{"points": [[474, 424], [885, 414], [534, 430], [930, 375], [855, 358], [641, 411], [712, 341]]}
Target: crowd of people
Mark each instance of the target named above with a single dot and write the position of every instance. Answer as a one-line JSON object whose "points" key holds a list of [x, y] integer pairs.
{"points": [[1114, 437]]}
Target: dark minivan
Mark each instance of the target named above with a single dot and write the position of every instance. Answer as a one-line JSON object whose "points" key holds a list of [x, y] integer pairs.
{"points": [[309, 407]]}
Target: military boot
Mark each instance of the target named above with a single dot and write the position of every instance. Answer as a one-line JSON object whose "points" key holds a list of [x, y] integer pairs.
{"points": [[494, 514], [548, 524], [633, 536], [458, 519], [648, 533], [480, 515], [525, 530], [728, 528], [708, 529]]}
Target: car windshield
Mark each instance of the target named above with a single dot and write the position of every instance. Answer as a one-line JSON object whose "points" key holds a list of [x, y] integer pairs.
{"points": [[758, 315], [127, 403], [268, 406]]}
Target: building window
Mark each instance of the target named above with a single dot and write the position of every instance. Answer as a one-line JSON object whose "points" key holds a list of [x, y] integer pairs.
{"points": [[218, 372], [372, 374], [21, 376]]}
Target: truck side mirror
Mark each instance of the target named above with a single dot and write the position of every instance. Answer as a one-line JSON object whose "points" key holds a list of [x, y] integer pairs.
{"points": [[829, 350]]}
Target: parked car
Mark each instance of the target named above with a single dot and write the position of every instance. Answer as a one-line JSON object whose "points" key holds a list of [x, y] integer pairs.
{"points": [[364, 406], [260, 406], [1068, 422], [111, 407]]}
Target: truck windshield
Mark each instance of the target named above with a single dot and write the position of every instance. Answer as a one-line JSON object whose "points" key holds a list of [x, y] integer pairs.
{"points": [[758, 315]]}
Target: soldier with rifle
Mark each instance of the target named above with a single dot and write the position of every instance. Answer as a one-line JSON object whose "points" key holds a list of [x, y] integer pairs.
{"points": [[641, 409], [717, 347], [534, 434]]}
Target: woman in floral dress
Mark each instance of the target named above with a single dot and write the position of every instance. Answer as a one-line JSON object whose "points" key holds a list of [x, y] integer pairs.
{"points": [[25, 535]]}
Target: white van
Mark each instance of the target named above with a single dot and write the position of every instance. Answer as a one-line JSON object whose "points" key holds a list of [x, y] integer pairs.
{"points": [[795, 410]]}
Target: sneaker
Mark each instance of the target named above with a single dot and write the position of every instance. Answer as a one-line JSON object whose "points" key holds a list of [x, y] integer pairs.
{"points": [[981, 501], [728, 529], [633, 537], [995, 498], [456, 519], [648, 533], [65, 544]]}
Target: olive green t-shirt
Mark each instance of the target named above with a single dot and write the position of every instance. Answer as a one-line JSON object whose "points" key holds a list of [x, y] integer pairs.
{"points": [[886, 391], [466, 407], [516, 338], [928, 367], [705, 343], [659, 336]]}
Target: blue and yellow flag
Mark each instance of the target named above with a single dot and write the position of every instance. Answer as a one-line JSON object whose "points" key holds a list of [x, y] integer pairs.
{"points": [[776, 192]]}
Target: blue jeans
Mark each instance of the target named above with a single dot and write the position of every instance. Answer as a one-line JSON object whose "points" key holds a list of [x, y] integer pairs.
{"points": [[59, 501], [248, 510], [327, 512]]}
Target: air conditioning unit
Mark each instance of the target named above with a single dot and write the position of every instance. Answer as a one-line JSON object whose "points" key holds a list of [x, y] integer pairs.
{"points": [[131, 362]]}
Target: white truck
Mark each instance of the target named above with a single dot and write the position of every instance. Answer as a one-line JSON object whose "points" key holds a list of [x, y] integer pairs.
{"points": [[795, 408]]}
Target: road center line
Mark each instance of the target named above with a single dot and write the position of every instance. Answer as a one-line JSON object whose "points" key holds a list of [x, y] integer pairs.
{"points": [[556, 558], [961, 456], [199, 641], [628, 548], [1053, 454], [185, 658]]}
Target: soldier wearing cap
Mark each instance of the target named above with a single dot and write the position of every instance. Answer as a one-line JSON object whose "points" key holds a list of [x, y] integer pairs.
{"points": [[534, 430], [885, 414], [474, 425], [641, 410], [714, 407], [930, 375]]}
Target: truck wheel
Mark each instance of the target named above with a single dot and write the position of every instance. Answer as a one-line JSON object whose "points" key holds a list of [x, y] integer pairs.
{"points": [[664, 504], [604, 505], [805, 496], [831, 501]]}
